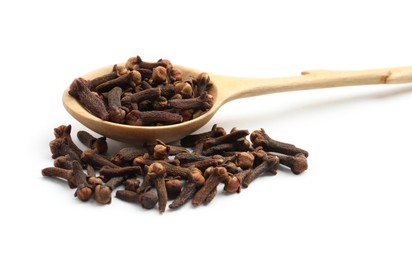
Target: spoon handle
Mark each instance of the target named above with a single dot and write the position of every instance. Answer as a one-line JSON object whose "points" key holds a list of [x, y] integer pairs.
{"points": [[234, 88]]}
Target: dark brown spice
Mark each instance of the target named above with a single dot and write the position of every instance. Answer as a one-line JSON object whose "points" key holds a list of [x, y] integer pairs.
{"points": [[244, 160], [116, 72], [147, 94], [269, 165], [201, 165], [84, 189], [132, 184], [80, 90], [145, 87], [191, 140], [218, 175], [157, 174], [147, 199], [239, 145], [159, 75], [297, 163], [203, 102], [92, 179], [116, 110], [64, 131], [97, 144], [95, 159], [108, 172], [189, 189], [126, 155], [185, 89], [130, 79], [185, 158], [151, 118], [173, 187], [232, 184], [60, 173], [59, 147], [216, 158], [228, 138], [260, 138], [63, 161], [103, 192]]}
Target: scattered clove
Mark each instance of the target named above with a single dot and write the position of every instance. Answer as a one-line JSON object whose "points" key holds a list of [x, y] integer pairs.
{"points": [[155, 174], [103, 192], [269, 165], [218, 175], [297, 163], [97, 144], [108, 172], [260, 138], [84, 189], [147, 199], [60, 173], [173, 187]]}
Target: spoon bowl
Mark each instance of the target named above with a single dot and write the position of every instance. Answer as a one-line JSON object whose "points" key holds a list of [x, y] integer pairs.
{"points": [[225, 89]]}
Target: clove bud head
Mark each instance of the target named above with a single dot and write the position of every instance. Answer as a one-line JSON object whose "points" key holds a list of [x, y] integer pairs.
{"points": [[83, 193], [103, 194]]}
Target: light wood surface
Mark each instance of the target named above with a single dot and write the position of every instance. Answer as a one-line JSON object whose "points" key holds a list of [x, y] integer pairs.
{"points": [[227, 89]]}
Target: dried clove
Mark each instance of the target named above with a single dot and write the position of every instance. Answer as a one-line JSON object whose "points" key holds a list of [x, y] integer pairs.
{"points": [[147, 199], [108, 172], [202, 165], [191, 140], [185, 158], [116, 110], [149, 118], [228, 138], [203, 102], [97, 144], [80, 90], [157, 174], [129, 79], [103, 192], [218, 175], [60, 173], [132, 184], [269, 165], [84, 189], [260, 138], [64, 131], [173, 187], [244, 160], [95, 159], [63, 161], [175, 172], [239, 145], [147, 94], [189, 189], [185, 89], [232, 184], [146, 87], [126, 155], [59, 147], [297, 163]]}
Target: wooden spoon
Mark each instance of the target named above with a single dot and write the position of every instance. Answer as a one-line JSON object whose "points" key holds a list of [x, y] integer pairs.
{"points": [[227, 89]]}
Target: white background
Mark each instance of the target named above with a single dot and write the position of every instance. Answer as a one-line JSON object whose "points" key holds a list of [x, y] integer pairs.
{"points": [[352, 203]]}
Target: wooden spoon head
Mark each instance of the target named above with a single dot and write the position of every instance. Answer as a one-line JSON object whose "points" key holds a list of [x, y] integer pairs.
{"points": [[136, 134]]}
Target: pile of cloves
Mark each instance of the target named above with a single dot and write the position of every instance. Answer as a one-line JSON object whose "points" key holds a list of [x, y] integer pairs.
{"points": [[157, 174], [144, 93]]}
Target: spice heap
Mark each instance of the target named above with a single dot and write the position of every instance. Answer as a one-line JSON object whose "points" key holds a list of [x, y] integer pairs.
{"points": [[156, 174], [144, 94]]}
